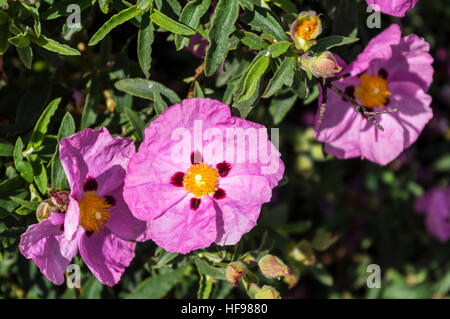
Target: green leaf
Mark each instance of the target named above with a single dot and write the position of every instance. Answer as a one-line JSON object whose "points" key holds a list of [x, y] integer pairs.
{"points": [[136, 122], [92, 289], [198, 92], [160, 105], [25, 169], [278, 48], [222, 25], [59, 9], [287, 6], [253, 77], [42, 124], [21, 40], [143, 4], [205, 287], [283, 76], [325, 44], [246, 4], [280, 106], [190, 16], [145, 89], [264, 20], [104, 5], [442, 164], [164, 258], [169, 24], [323, 240], [35, 13], [4, 35], [157, 286], [89, 115], [67, 128], [252, 40], [55, 46], [116, 20], [144, 44], [39, 173], [206, 269], [30, 205], [6, 148], [26, 56]]}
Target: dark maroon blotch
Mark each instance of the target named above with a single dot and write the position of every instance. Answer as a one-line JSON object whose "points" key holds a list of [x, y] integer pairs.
{"points": [[90, 184], [219, 194], [223, 168], [110, 200], [383, 73], [195, 203], [61, 228], [350, 91], [177, 179], [196, 157], [89, 233], [387, 101]]}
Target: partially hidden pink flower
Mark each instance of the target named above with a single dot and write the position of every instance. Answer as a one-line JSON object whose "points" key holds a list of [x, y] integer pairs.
{"points": [[392, 72], [396, 8], [435, 205], [189, 180], [97, 222]]}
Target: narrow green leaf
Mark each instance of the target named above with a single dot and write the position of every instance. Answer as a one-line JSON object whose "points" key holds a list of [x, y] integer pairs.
{"points": [[25, 203], [6, 148], [246, 4], [164, 258], [59, 8], [117, 19], [157, 286], [287, 6], [89, 115], [144, 44], [145, 88], [205, 287], [136, 122], [92, 289], [190, 16], [39, 174], [198, 92], [169, 24], [280, 106], [4, 35], [206, 269], [263, 19], [325, 44], [283, 76], [21, 40], [26, 56], [143, 4], [252, 78], [160, 105], [253, 41], [41, 126], [104, 5], [278, 48], [55, 46], [22, 166], [222, 25]]}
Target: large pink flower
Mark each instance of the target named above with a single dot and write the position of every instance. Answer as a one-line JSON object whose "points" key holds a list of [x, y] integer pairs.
{"points": [[189, 180], [396, 8], [435, 205], [98, 223], [392, 72]]}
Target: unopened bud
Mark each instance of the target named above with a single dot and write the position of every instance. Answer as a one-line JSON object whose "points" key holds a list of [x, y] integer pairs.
{"points": [[267, 292], [45, 209], [235, 271], [305, 29], [322, 65], [273, 267]]}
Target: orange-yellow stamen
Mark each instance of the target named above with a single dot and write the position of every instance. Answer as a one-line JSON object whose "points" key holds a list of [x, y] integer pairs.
{"points": [[373, 91], [94, 212], [200, 179], [306, 29]]}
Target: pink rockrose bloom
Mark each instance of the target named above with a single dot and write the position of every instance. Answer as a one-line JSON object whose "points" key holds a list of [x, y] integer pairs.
{"points": [[435, 205], [396, 8], [392, 72], [97, 222], [201, 176]]}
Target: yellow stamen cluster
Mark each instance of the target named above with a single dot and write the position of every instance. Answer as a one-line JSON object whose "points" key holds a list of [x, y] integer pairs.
{"points": [[373, 91], [200, 179], [94, 211], [306, 29]]}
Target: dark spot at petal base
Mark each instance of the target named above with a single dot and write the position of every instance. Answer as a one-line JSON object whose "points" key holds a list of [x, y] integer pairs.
{"points": [[350, 91], [387, 102], [177, 179], [196, 157], [61, 228], [110, 200], [383, 73], [195, 203], [90, 184], [219, 194], [223, 168], [89, 233]]}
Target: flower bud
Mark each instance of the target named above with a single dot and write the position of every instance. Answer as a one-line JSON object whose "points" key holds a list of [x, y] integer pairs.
{"points": [[45, 209], [235, 271], [267, 292], [305, 29], [272, 267], [322, 65]]}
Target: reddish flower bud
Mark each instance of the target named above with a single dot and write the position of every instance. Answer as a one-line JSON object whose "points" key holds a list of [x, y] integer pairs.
{"points": [[235, 271], [273, 267]]}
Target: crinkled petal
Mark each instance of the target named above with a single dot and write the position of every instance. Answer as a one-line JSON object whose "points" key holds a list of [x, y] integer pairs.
{"points": [[239, 210], [181, 229], [397, 8], [106, 255], [47, 246], [72, 219]]}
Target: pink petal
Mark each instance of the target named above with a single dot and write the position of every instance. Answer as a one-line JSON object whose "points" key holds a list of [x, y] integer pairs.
{"points": [[72, 219], [396, 8]]}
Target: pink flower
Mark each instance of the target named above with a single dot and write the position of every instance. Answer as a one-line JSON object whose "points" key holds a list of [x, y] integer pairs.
{"points": [[392, 72], [197, 195], [435, 205], [396, 8], [98, 223]]}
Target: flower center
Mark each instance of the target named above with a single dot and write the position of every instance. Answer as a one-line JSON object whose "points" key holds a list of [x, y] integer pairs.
{"points": [[94, 211], [200, 179], [373, 91], [306, 29]]}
